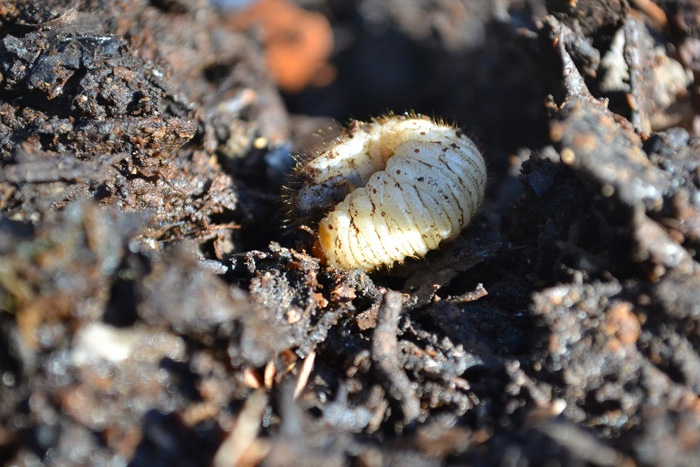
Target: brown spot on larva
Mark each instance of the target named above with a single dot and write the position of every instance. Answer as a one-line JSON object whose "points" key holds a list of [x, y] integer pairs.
{"points": [[383, 214], [398, 172], [416, 150], [374, 190], [421, 179], [422, 133], [330, 226]]}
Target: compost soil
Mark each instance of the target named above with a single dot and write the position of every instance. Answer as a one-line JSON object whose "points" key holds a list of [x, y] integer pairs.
{"points": [[158, 308]]}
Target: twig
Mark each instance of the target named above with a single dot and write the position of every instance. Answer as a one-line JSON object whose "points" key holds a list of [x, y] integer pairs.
{"points": [[304, 374], [385, 357]]}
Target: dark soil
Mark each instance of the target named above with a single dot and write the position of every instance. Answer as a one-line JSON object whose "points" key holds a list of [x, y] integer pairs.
{"points": [[155, 310]]}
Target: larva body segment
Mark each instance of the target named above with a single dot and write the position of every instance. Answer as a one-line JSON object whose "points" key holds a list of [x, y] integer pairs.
{"points": [[391, 189]]}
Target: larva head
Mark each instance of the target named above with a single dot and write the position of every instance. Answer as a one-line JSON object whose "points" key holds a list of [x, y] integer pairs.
{"points": [[323, 246], [390, 189]]}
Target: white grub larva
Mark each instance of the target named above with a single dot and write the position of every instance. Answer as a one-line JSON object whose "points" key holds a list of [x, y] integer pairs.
{"points": [[390, 189]]}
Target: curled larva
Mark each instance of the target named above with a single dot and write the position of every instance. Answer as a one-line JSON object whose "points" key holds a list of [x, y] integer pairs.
{"points": [[390, 189]]}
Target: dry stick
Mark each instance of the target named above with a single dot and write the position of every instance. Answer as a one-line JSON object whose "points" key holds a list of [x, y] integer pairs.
{"points": [[633, 59], [304, 374], [244, 433], [385, 357]]}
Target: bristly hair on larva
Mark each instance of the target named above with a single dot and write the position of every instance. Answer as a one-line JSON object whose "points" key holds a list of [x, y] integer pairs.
{"points": [[388, 189]]}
